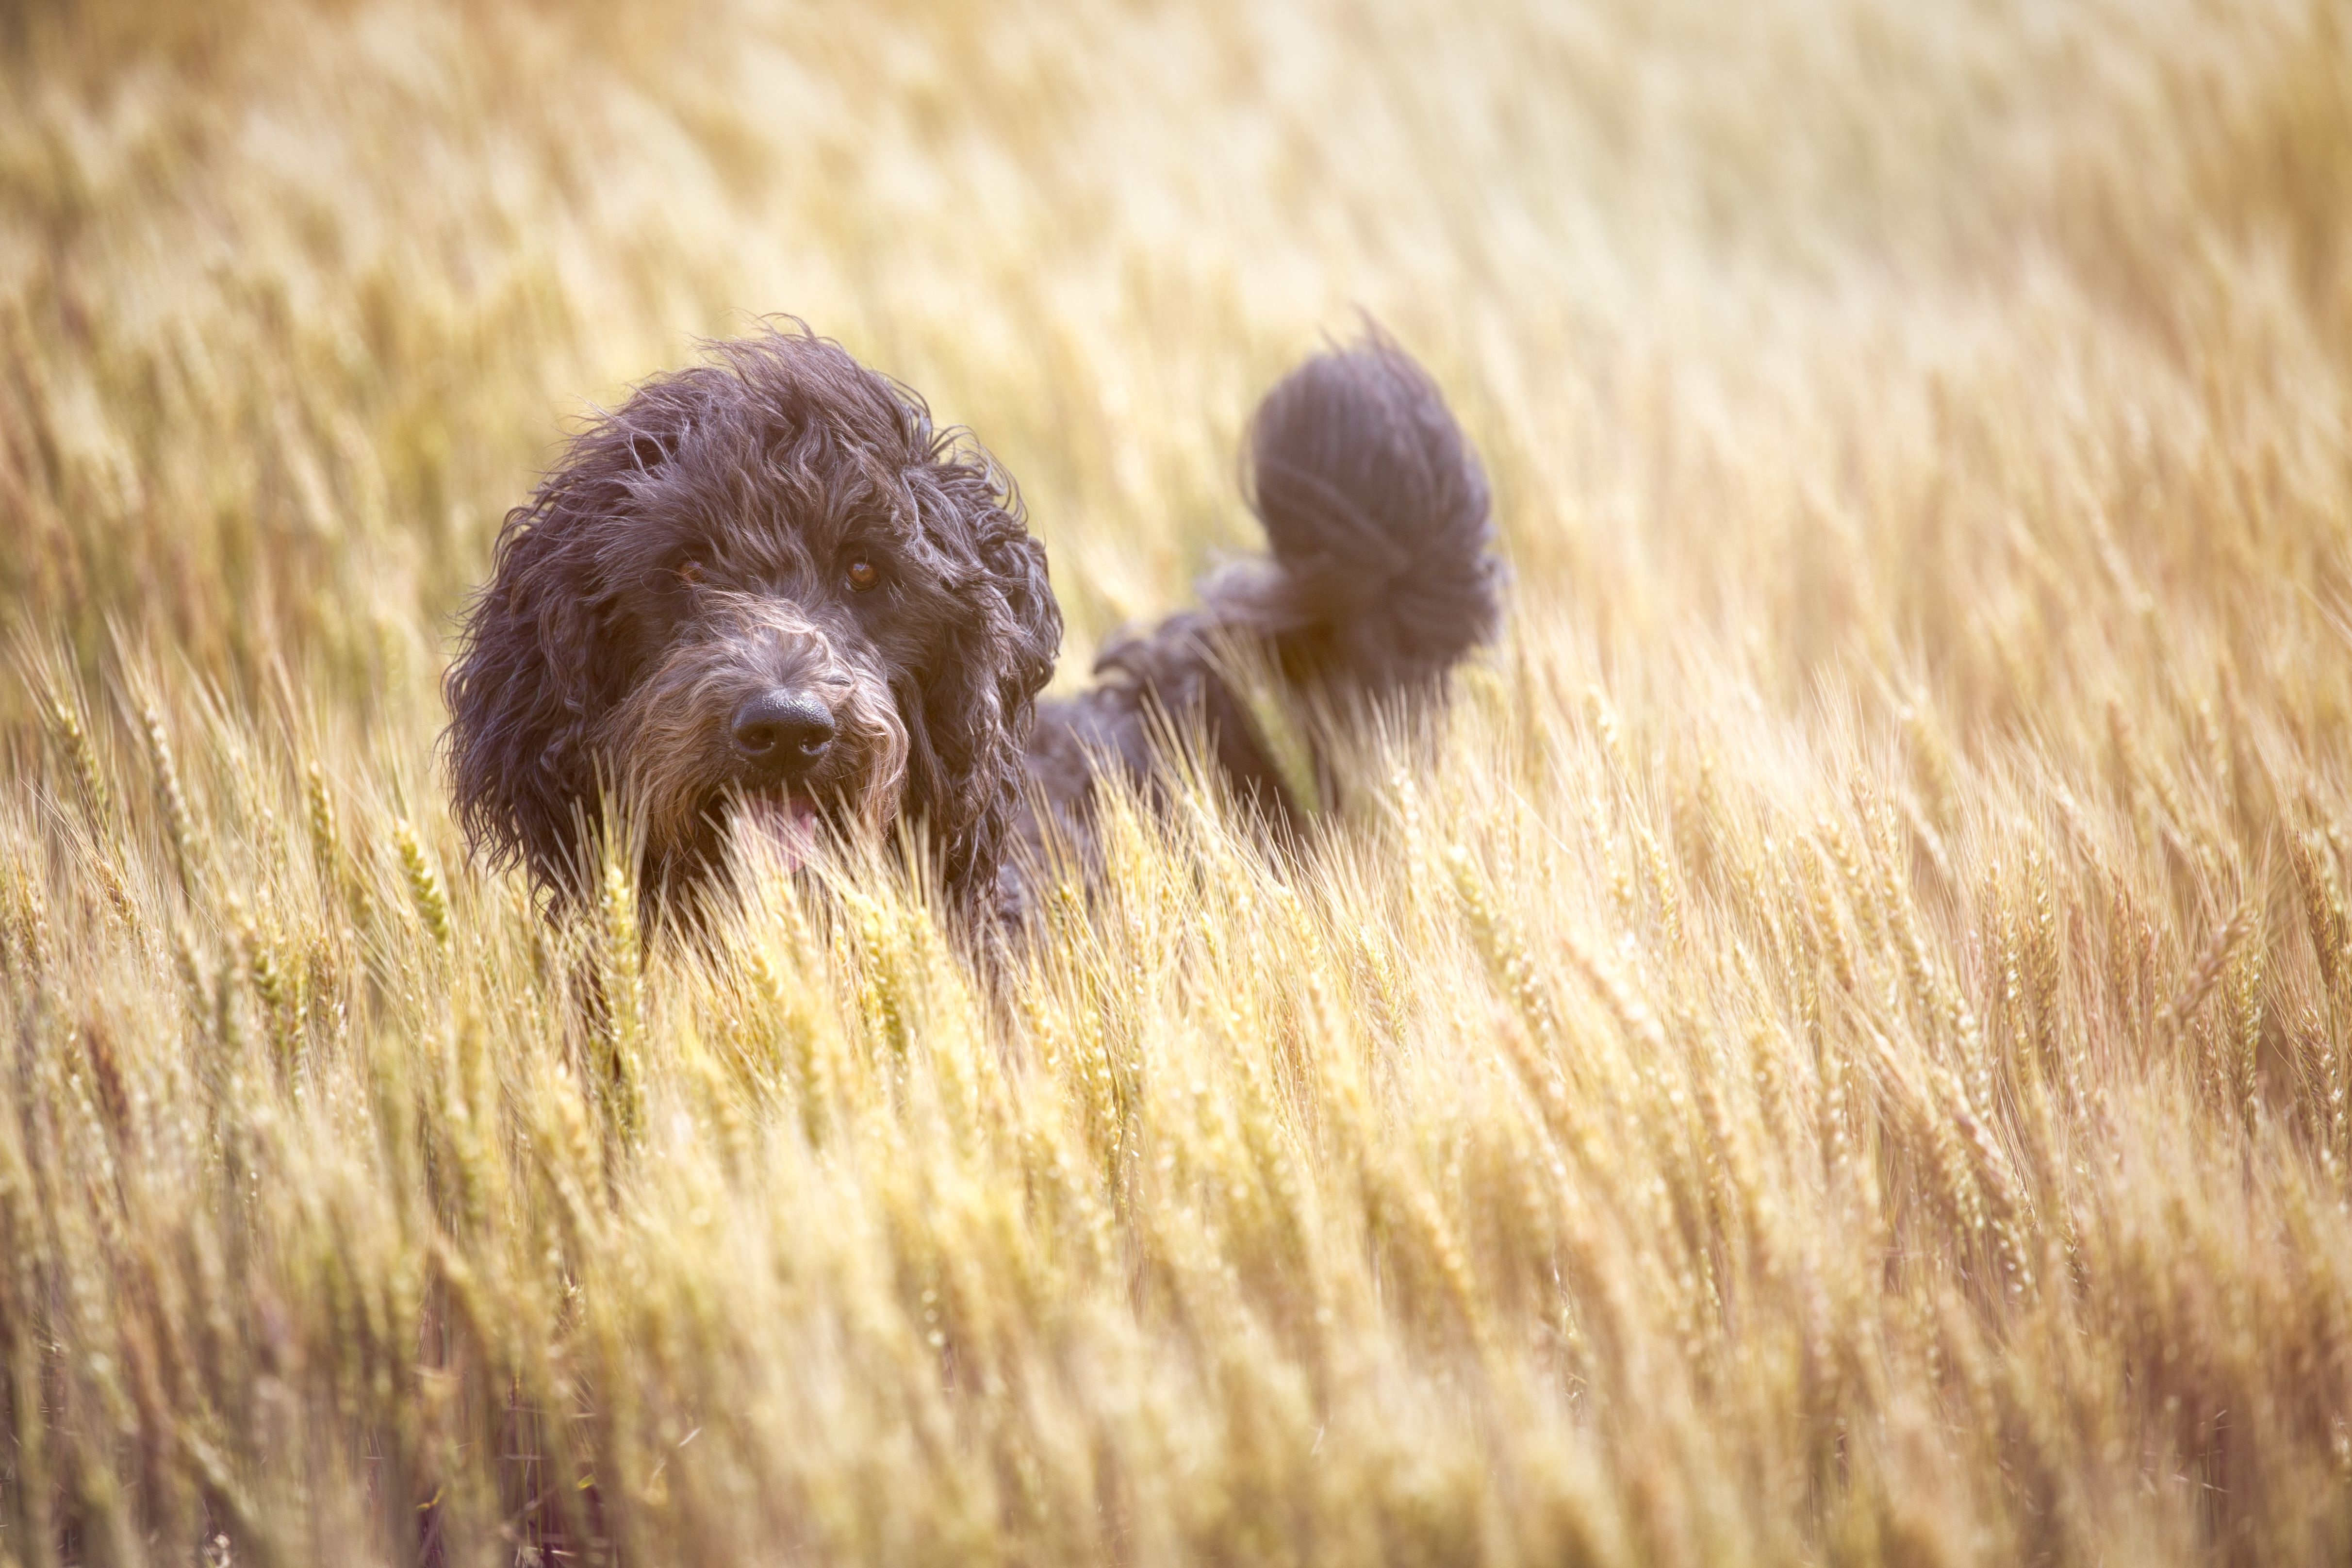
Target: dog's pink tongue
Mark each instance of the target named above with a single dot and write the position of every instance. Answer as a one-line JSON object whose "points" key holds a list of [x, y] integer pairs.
{"points": [[791, 827]]}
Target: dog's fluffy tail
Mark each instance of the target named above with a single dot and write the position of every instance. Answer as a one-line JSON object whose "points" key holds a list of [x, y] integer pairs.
{"points": [[1383, 572]]}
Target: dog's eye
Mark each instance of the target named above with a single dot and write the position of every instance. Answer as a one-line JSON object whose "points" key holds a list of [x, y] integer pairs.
{"points": [[863, 574], [689, 572]]}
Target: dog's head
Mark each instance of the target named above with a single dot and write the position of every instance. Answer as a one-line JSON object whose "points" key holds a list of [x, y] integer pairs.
{"points": [[768, 592]]}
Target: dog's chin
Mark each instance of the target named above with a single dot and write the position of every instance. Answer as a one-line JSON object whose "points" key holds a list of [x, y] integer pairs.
{"points": [[789, 828]]}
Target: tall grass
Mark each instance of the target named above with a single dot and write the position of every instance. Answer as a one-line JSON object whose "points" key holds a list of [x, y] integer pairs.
{"points": [[1834, 1046]]}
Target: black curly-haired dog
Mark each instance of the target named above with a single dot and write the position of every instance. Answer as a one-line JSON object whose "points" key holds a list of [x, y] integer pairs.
{"points": [[768, 592]]}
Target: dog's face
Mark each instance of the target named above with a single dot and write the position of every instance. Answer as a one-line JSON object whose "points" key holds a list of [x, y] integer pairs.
{"points": [[760, 666], [767, 595]]}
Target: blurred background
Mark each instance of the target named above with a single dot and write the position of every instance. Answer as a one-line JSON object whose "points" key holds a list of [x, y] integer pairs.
{"points": [[1840, 1054], [296, 300]]}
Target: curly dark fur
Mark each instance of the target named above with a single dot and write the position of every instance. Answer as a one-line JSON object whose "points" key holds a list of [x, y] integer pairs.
{"points": [[699, 534], [1381, 577], [768, 588]]}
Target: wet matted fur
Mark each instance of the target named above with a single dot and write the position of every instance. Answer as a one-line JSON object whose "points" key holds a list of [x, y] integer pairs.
{"points": [[768, 589]]}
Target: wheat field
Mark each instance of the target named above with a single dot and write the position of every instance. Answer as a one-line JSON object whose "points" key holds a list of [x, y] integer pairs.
{"points": [[1832, 1048]]}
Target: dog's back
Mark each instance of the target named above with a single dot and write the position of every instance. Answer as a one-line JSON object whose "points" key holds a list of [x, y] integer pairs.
{"points": [[1382, 576]]}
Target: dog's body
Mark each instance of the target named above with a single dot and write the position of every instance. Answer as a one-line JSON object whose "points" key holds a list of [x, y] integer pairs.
{"points": [[767, 593]]}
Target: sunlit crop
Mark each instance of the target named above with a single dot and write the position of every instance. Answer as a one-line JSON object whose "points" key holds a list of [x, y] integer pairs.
{"points": [[1832, 1046]]}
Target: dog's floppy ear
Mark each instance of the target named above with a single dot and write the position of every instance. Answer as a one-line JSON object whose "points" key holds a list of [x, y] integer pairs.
{"points": [[971, 734], [521, 696], [537, 666], [1016, 567]]}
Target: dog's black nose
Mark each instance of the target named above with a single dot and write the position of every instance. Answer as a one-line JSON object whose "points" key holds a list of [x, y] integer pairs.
{"points": [[786, 732]]}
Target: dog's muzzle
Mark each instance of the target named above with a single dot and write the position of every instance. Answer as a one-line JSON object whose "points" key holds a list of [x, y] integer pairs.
{"points": [[765, 721], [783, 737]]}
